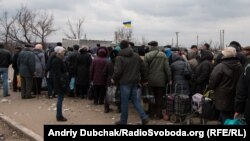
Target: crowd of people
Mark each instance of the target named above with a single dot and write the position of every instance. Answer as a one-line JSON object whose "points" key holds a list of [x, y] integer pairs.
{"points": [[75, 70]]}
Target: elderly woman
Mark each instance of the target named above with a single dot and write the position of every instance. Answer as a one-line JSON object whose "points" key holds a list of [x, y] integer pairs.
{"points": [[223, 81], [60, 80], [83, 63], [40, 68]]}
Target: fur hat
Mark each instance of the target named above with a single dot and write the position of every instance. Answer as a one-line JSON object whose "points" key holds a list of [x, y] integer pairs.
{"points": [[153, 43], [229, 52], [59, 49], [39, 46]]}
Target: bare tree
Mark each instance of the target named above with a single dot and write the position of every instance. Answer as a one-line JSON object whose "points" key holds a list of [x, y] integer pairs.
{"points": [[124, 34], [5, 23], [21, 31], [75, 31], [43, 26]]}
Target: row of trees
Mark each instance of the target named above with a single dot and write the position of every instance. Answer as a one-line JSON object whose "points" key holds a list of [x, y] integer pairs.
{"points": [[27, 26]]}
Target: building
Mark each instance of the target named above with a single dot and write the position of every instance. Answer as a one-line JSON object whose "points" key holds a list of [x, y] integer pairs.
{"points": [[90, 43]]}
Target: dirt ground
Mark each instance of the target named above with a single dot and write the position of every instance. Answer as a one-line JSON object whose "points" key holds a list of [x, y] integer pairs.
{"points": [[37, 112], [7, 133], [34, 113]]}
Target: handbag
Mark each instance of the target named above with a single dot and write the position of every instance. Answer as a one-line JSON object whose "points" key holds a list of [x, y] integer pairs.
{"points": [[147, 94], [239, 120], [111, 94], [18, 77], [208, 109], [72, 83]]}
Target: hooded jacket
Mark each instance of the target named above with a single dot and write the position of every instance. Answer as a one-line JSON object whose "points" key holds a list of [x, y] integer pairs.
{"points": [[129, 68], [98, 65], [223, 81]]}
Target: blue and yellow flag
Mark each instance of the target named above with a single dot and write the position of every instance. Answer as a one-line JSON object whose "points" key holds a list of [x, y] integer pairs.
{"points": [[127, 24]]}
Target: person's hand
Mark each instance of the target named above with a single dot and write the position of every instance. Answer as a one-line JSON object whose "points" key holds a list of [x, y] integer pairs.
{"points": [[170, 82], [236, 115], [112, 81]]}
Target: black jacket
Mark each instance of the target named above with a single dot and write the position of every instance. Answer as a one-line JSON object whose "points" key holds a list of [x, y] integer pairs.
{"points": [[223, 81], [242, 99], [5, 58], [60, 76]]}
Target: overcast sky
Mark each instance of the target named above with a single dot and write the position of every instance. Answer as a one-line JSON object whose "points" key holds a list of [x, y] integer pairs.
{"points": [[153, 19]]}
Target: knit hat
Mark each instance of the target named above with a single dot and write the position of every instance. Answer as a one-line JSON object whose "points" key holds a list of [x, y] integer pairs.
{"points": [[229, 52], [59, 49]]}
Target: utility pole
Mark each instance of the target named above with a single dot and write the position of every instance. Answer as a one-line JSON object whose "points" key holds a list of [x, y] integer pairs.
{"points": [[220, 41], [223, 38], [172, 42], [177, 39], [197, 40]]}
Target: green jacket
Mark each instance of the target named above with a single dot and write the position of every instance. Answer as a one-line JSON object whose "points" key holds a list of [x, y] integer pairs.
{"points": [[129, 68], [158, 70]]}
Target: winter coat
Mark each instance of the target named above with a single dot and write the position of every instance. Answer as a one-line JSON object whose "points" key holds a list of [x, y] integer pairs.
{"points": [[242, 98], [14, 61], [5, 58], [202, 73], [223, 81], [129, 68], [71, 62], [60, 75], [97, 67], [180, 83], [40, 63], [82, 70], [158, 70], [108, 71], [26, 63]]}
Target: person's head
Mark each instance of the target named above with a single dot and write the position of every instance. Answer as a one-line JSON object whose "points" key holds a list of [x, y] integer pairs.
{"points": [[60, 51], [102, 52], [124, 44], [70, 49], [229, 52], [98, 45], [246, 51], [113, 55], [236, 45], [153, 43], [168, 46], [58, 44], [131, 44], [28, 46], [83, 49], [206, 46], [76, 47], [18, 48], [194, 48], [141, 51], [39, 46]]}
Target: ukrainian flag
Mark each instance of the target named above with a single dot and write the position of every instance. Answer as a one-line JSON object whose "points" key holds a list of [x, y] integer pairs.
{"points": [[127, 24]]}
